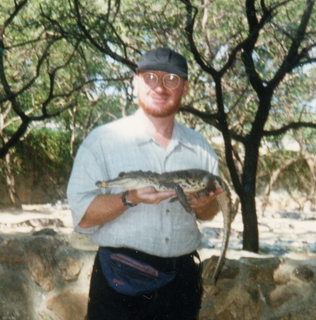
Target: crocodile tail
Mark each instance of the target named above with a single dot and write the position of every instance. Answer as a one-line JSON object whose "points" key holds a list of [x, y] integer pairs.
{"points": [[224, 201]]}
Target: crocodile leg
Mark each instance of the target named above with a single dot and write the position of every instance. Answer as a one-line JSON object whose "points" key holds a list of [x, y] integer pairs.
{"points": [[180, 195]]}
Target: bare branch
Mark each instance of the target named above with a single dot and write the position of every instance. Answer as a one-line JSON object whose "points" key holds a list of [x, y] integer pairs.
{"points": [[292, 125], [14, 138], [191, 16], [18, 7], [105, 48], [294, 58]]}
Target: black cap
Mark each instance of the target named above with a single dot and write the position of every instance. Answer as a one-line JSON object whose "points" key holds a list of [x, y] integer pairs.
{"points": [[164, 59]]}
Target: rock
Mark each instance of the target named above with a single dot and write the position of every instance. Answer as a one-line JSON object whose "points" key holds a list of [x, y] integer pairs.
{"points": [[15, 297], [11, 253], [41, 272], [69, 268], [41, 252], [33, 269], [45, 232], [43, 277], [263, 289], [69, 305], [304, 273]]}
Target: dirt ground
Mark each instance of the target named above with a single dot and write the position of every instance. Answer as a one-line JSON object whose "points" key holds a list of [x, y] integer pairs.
{"points": [[282, 228]]}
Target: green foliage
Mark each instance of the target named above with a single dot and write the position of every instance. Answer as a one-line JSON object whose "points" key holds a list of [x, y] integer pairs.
{"points": [[41, 165], [44, 151]]}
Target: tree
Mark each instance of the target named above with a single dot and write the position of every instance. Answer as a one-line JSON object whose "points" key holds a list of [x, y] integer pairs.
{"points": [[251, 48], [21, 69], [246, 58], [32, 75], [44, 71]]}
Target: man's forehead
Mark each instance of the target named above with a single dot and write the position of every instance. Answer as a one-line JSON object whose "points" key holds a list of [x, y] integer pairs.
{"points": [[159, 73]]}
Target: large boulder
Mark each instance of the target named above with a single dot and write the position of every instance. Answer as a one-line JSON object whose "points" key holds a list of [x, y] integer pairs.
{"points": [[262, 289], [43, 277]]}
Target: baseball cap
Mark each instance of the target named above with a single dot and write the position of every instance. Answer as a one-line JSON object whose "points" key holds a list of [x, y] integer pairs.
{"points": [[164, 59]]}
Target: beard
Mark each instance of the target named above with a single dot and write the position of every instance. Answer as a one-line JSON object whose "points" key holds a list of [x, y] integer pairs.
{"points": [[159, 111]]}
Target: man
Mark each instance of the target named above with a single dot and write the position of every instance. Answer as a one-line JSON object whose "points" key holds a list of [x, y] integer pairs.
{"points": [[143, 224]]}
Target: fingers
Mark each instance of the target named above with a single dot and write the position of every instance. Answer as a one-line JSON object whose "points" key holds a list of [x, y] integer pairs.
{"points": [[201, 200], [149, 195]]}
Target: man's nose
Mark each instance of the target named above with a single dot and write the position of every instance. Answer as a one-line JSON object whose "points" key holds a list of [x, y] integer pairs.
{"points": [[160, 85]]}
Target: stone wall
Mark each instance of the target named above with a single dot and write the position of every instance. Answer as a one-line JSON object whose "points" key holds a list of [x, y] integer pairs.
{"points": [[43, 277], [262, 289]]}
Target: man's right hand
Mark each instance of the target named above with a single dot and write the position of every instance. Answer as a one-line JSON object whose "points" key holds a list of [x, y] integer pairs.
{"points": [[148, 195]]}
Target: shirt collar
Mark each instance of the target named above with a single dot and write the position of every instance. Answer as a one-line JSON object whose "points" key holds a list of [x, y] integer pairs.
{"points": [[142, 134]]}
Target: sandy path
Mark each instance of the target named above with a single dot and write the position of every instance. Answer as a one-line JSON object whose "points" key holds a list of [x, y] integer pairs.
{"points": [[279, 232]]}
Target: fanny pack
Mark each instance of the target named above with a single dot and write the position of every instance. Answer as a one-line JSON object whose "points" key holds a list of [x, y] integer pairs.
{"points": [[131, 277]]}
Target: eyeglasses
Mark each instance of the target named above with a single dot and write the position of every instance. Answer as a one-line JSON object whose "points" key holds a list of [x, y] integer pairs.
{"points": [[170, 81]]}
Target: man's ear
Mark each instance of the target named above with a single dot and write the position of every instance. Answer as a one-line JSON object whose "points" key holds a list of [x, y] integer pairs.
{"points": [[136, 83]]}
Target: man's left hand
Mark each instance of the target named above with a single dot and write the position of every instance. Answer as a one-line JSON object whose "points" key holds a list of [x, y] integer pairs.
{"points": [[204, 205]]}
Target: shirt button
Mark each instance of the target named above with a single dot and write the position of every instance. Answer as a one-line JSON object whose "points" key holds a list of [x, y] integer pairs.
{"points": [[167, 211], [167, 240]]}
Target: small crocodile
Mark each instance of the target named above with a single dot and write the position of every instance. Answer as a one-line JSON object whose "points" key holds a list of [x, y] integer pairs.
{"points": [[183, 182]]}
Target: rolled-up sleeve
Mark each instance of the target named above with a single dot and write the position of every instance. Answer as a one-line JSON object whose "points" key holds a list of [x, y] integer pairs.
{"points": [[82, 187]]}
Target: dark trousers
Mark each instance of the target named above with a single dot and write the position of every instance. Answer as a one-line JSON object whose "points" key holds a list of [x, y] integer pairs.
{"points": [[178, 300]]}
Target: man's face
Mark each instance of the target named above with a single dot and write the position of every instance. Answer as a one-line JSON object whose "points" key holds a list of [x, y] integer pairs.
{"points": [[155, 94]]}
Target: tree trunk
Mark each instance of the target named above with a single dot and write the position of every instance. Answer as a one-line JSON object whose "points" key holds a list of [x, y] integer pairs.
{"points": [[248, 195], [15, 200], [250, 222]]}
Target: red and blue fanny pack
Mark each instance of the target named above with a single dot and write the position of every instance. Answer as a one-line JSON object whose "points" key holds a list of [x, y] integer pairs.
{"points": [[130, 276]]}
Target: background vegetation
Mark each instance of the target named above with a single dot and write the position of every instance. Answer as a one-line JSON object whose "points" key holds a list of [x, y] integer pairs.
{"points": [[67, 66]]}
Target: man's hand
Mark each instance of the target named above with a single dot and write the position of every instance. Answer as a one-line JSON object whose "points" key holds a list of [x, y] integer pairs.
{"points": [[204, 206], [149, 195]]}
